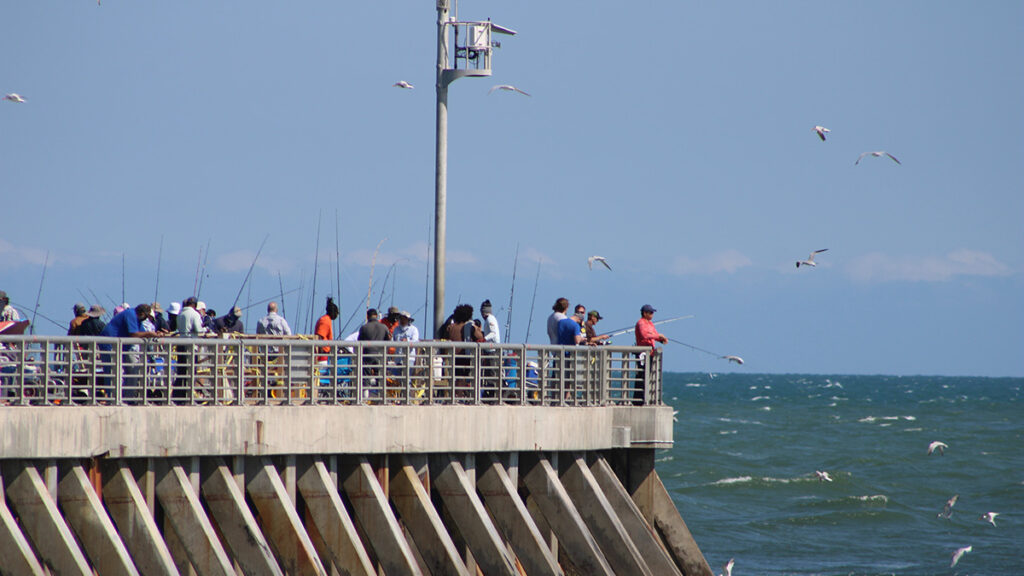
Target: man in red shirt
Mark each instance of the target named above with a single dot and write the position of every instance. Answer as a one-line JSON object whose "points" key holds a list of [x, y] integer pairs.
{"points": [[646, 335]]}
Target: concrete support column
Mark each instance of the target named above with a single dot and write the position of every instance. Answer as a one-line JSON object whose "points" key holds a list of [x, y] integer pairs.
{"points": [[459, 495], [94, 528], [138, 530], [511, 516], [281, 522], [609, 532], [562, 516], [42, 521], [189, 521], [236, 522], [14, 547], [424, 523], [374, 514], [331, 519]]}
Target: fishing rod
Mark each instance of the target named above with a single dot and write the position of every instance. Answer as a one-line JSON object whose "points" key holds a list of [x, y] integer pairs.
{"points": [[46, 262], [532, 302], [511, 296], [632, 328], [43, 316], [426, 281], [728, 357], [199, 260], [97, 300], [316, 262], [337, 264], [373, 262], [280, 284], [206, 258], [159, 260], [249, 273], [258, 302], [123, 297]]}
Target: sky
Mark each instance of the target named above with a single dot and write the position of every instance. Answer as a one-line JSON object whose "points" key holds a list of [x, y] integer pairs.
{"points": [[161, 140]]}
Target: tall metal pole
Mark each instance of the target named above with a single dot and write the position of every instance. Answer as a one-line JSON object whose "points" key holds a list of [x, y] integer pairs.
{"points": [[441, 166]]}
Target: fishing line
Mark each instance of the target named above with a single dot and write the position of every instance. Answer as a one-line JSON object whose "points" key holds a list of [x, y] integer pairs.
{"points": [[730, 358]]}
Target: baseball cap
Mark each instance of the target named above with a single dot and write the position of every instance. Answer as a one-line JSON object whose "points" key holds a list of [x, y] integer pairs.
{"points": [[595, 314], [647, 308]]}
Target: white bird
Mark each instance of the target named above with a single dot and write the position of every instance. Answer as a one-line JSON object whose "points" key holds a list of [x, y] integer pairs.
{"points": [[735, 359], [959, 554], [727, 569], [403, 84], [876, 155], [14, 97], [947, 512], [823, 476], [821, 131], [601, 259], [506, 87], [810, 259], [989, 517], [940, 446]]}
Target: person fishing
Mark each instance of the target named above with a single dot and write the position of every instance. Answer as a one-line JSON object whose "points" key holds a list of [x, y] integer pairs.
{"points": [[647, 336]]}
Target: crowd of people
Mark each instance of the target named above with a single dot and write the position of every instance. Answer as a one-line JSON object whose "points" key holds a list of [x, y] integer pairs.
{"points": [[192, 318]]}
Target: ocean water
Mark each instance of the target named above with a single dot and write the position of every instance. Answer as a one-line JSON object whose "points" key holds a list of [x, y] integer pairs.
{"points": [[742, 472]]}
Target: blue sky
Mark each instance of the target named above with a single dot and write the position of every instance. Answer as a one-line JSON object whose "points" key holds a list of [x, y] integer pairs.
{"points": [[674, 139]]}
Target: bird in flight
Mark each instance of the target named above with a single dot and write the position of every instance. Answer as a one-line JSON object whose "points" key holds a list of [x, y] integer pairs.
{"points": [[989, 517], [601, 259], [810, 259], [403, 84], [507, 88], [820, 131], [823, 476], [940, 446], [959, 554], [947, 512], [727, 569], [877, 154], [735, 359], [14, 97]]}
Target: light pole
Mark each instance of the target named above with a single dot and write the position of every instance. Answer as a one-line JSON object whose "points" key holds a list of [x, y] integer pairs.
{"points": [[472, 58]]}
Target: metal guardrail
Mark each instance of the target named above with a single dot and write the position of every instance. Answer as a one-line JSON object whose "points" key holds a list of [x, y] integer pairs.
{"points": [[76, 371]]}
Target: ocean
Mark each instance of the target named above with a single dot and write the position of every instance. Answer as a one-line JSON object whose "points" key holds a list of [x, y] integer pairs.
{"points": [[742, 472]]}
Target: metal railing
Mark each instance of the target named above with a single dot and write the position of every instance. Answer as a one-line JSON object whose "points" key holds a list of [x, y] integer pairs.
{"points": [[257, 371]]}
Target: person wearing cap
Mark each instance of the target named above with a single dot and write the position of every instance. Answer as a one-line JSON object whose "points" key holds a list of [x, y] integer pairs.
{"points": [[172, 316], [80, 316], [646, 333], [7, 312], [273, 323], [93, 325], [161, 323], [405, 331], [570, 332], [590, 329], [128, 324], [391, 320], [489, 325], [230, 323]]}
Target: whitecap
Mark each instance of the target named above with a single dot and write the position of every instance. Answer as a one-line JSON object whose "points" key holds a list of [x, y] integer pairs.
{"points": [[766, 408], [868, 419], [736, 480], [913, 429], [911, 418], [756, 398], [694, 385]]}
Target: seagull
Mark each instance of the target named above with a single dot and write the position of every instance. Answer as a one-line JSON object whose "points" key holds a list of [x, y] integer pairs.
{"points": [[735, 359], [823, 476], [403, 84], [876, 155], [601, 259], [947, 512], [507, 87], [940, 446], [14, 97], [959, 554], [821, 131], [810, 259], [727, 569], [989, 517]]}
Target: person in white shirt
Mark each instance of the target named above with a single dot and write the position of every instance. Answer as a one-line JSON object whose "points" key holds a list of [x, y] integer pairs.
{"points": [[490, 324], [273, 323]]}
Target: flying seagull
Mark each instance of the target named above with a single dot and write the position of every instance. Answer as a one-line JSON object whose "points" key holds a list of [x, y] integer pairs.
{"points": [[14, 97], [506, 87], [735, 359], [876, 155], [823, 476], [403, 84], [727, 569], [989, 517], [940, 446], [959, 554], [821, 131], [601, 259], [810, 259], [947, 512]]}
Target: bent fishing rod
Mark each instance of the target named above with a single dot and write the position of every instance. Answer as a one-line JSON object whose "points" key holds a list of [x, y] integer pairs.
{"points": [[659, 322], [728, 357]]}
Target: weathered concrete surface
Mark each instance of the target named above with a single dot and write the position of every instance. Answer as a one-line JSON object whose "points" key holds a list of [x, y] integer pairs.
{"points": [[336, 528], [94, 528], [176, 431], [237, 523], [136, 525]]}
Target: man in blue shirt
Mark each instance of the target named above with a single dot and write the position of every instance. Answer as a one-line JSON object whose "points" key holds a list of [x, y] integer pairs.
{"points": [[569, 333], [128, 324]]}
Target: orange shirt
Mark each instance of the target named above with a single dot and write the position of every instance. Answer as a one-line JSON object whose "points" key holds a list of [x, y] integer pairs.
{"points": [[324, 331]]}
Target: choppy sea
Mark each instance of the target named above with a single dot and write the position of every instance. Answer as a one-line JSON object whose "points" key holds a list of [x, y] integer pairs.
{"points": [[742, 472]]}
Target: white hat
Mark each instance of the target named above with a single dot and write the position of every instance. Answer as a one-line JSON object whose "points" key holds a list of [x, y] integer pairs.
{"points": [[174, 308], [201, 305]]}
